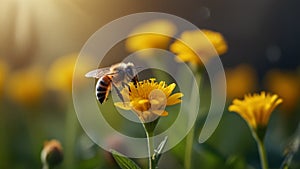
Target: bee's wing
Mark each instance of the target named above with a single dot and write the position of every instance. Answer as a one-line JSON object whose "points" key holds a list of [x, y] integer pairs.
{"points": [[97, 73], [138, 68]]}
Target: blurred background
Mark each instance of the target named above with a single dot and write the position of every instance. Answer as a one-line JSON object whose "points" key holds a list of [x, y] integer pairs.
{"points": [[39, 43]]}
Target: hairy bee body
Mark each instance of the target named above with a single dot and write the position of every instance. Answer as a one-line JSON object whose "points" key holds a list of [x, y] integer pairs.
{"points": [[112, 77]]}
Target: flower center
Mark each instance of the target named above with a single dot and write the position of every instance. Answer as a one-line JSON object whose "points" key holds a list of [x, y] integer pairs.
{"points": [[152, 107]]}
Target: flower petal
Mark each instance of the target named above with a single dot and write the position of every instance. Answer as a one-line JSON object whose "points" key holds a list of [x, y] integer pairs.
{"points": [[174, 99], [123, 105], [256, 109], [160, 112]]}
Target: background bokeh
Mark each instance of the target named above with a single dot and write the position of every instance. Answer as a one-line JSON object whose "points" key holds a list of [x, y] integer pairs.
{"points": [[39, 43]]}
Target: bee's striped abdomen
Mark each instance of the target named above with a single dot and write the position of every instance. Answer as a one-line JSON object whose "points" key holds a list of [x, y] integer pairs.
{"points": [[103, 88]]}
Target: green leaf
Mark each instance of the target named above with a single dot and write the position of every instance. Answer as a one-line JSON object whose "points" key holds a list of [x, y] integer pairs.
{"points": [[291, 149], [158, 150], [235, 162], [123, 161]]}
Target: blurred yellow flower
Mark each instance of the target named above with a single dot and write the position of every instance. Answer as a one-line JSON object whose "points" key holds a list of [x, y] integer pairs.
{"points": [[199, 42], [153, 37], [287, 85], [149, 98], [243, 76], [26, 86], [3, 74], [52, 153], [60, 74], [256, 109]]}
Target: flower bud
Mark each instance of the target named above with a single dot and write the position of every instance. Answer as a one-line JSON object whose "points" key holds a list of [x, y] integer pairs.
{"points": [[52, 153]]}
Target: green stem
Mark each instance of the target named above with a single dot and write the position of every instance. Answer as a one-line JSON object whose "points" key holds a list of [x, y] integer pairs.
{"points": [[149, 130], [150, 149], [262, 154], [45, 166], [4, 135], [190, 136], [32, 118], [188, 149], [70, 136]]}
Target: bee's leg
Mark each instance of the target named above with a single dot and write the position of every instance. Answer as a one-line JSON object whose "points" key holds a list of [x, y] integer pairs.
{"points": [[118, 92], [135, 80], [126, 85]]}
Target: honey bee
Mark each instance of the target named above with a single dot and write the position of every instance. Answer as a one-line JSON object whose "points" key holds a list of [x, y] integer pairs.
{"points": [[116, 76]]}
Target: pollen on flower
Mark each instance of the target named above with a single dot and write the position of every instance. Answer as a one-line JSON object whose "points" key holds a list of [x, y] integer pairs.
{"points": [[148, 99]]}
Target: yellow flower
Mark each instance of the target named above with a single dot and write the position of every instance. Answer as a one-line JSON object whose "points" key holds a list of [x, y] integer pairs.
{"points": [[26, 86], [287, 85], [244, 76], [52, 153], [199, 42], [256, 109], [153, 38], [148, 99], [60, 74], [3, 75]]}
